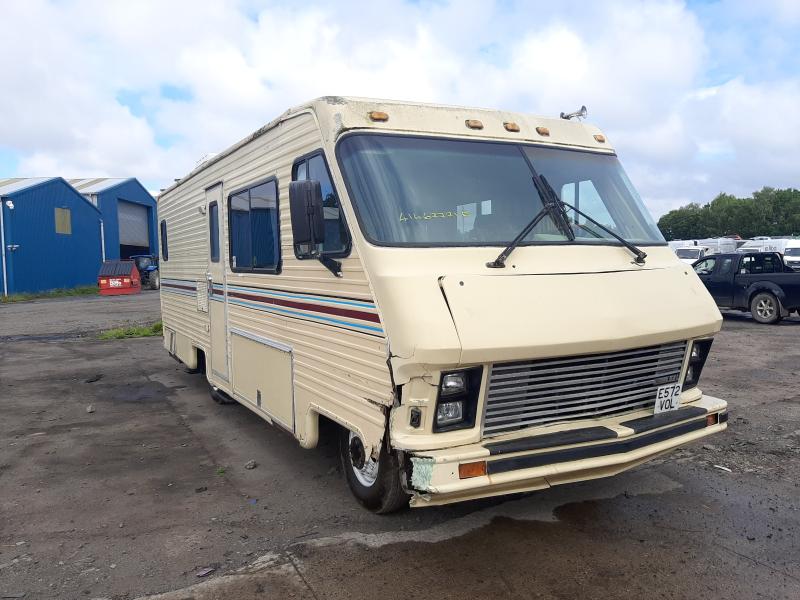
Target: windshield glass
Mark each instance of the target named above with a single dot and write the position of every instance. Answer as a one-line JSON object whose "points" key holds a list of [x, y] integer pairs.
{"points": [[427, 191], [688, 252], [792, 252], [142, 262]]}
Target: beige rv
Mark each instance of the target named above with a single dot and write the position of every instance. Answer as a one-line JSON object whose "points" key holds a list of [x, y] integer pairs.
{"points": [[477, 299]]}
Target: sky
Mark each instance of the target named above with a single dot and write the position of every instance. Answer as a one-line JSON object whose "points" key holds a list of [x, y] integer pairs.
{"points": [[698, 97]]}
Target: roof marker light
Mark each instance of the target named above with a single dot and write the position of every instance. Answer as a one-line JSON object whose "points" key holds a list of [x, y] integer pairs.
{"points": [[377, 115], [600, 138], [474, 124], [544, 131], [511, 126]]}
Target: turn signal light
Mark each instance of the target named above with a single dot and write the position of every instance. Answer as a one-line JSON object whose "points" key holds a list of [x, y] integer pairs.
{"points": [[377, 115], [474, 124], [543, 131], [473, 469], [711, 420]]}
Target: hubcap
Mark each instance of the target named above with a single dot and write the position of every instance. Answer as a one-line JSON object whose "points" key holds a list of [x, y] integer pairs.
{"points": [[364, 468], [765, 308]]}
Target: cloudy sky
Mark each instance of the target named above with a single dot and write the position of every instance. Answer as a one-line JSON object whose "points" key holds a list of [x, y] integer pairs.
{"points": [[698, 97]]}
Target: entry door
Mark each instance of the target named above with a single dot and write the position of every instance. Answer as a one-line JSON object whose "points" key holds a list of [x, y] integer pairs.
{"points": [[217, 284]]}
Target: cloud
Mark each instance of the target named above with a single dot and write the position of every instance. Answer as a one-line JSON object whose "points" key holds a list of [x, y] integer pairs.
{"points": [[147, 88]]}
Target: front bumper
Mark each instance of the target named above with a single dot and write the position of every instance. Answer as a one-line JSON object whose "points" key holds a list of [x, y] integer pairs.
{"points": [[574, 454]]}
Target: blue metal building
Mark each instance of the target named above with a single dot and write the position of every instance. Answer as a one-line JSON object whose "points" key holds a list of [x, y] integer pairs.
{"points": [[49, 234], [129, 215]]}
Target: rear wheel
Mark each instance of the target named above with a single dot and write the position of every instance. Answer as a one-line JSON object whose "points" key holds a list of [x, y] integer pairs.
{"points": [[155, 280], [220, 397], [375, 483], [765, 308]]}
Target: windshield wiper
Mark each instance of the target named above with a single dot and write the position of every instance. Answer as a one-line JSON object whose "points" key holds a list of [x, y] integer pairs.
{"points": [[638, 253], [550, 207]]}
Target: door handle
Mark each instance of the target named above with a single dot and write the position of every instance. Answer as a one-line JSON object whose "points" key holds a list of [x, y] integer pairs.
{"points": [[210, 286]]}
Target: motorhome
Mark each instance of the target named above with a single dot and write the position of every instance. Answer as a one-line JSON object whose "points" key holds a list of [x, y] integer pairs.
{"points": [[689, 251], [791, 254], [765, 244], [476, 301]]}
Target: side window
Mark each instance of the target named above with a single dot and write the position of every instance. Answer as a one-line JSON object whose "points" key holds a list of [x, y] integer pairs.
{"points": [[64, 221], [164, 246], [770, 264], [746, 265], [213, 232], [705, 267], [254, 228], [337, 237], [726, 266]]}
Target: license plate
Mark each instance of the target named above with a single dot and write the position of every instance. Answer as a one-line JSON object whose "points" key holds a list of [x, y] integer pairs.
{"points": [[115, 282], [668, 397]]}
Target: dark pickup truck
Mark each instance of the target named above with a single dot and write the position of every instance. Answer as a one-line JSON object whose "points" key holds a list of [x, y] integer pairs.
{"points": [[754, 281]]}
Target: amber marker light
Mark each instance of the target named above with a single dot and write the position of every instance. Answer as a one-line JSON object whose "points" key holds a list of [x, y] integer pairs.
{"points": [[600, 138], [543, 131], [510, 126], [473, 469], [377, 115], [474, 124], [712, 420]]}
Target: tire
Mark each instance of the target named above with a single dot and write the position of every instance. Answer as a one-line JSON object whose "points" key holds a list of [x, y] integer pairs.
{"points": [[378, 488], [220, 397], [155, 280], [765, 308]]}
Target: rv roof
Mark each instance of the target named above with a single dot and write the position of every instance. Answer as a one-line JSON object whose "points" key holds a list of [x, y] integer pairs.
{"points": [[337, 114]]}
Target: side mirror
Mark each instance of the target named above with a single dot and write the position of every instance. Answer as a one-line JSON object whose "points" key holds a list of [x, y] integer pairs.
{"points": [[308, 221]]}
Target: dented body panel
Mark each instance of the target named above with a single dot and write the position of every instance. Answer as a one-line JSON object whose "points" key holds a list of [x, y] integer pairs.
{"points": [[368, 349]]}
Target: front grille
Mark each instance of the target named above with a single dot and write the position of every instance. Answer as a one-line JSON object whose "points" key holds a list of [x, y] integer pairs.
{"points": [[522, 394]]}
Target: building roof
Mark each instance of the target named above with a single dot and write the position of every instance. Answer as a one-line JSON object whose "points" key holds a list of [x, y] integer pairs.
{"points": [[12, 185], [95, 185]]}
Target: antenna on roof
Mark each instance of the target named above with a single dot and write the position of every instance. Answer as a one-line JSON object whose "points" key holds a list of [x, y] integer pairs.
{"points": [[578, 114]]}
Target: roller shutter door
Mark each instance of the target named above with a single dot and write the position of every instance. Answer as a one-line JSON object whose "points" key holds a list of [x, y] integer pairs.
{"points": [[133, 224]]}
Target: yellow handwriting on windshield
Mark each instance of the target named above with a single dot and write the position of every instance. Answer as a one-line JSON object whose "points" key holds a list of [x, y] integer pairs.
{"points": [[443, 214]]}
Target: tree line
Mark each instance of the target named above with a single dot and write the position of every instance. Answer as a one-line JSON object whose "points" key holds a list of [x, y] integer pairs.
{"points": [[770, 211]]}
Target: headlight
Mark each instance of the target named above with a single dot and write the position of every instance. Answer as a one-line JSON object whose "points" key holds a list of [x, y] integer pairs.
{"points": [[457, 401], [697, 359]]}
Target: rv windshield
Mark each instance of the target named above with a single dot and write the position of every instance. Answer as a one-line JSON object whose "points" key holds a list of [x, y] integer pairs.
{"points": [[412, 191]]}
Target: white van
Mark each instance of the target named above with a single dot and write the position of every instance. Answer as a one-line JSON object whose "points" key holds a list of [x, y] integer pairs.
{"points": [[791, 254], [414, 275]]}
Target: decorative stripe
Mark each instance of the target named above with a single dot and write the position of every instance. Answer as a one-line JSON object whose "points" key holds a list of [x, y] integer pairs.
{"points": [[320, 308]]}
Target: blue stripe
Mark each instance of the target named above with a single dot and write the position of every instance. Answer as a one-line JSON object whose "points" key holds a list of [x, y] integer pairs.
{"points": [[304, 315]]}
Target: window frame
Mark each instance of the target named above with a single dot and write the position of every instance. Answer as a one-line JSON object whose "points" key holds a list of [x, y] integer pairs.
{"points": [[213, 233], [521, 143], [349, 244], [164, 239], [276, 270]]}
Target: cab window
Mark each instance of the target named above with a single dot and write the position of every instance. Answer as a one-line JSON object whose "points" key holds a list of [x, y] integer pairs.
{"points": [[705, 267], [337, 236]]}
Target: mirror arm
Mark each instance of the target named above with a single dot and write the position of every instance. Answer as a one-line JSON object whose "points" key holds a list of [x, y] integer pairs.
{"points": [[334, 266]]}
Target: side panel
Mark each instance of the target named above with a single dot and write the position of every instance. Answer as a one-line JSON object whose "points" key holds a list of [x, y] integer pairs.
{"points": [[331, 324]]}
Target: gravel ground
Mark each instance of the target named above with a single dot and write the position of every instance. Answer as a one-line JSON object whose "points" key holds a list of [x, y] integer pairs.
{"points": [[120, 478]]}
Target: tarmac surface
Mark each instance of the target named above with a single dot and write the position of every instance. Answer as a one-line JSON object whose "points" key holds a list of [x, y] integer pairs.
{"points": [[120, 478]]}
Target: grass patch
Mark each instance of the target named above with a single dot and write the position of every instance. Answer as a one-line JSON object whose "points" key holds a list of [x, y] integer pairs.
{"points": [[82, 290], [123, 333]]}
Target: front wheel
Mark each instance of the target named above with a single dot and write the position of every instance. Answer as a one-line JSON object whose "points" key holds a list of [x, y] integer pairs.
{"points": [[155, 280], [375, 483], [765, 308]]}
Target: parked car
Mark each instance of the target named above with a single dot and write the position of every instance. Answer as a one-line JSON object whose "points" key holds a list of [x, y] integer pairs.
{"points": [[791, 254], [756, 281]]}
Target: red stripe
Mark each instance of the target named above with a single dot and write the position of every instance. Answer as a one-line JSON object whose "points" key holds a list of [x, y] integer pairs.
{"points": [[180, 287], [331, 310]]}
